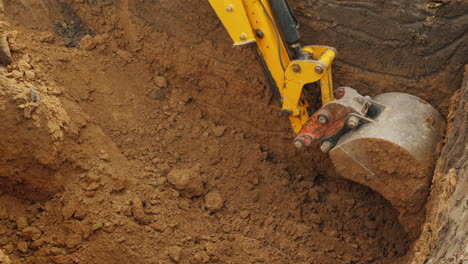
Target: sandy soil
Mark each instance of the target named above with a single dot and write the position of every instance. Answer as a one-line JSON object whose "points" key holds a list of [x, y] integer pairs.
{"points": [[134, 137]]}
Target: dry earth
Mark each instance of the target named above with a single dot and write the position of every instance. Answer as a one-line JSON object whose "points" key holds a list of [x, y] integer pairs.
{"points": [[132, 132]]}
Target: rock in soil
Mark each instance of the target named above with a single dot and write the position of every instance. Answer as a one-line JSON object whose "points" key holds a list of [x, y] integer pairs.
{"points": [[160, 81], [201, 257], [31, 233], [139, 213], [87, 43], [21, 222], [174, 253], [22, 246], [188, 182], [214, 201], [218, 131]]}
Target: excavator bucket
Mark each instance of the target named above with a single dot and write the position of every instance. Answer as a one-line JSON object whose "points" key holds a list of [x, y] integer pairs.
{"points": [[394, 155]]}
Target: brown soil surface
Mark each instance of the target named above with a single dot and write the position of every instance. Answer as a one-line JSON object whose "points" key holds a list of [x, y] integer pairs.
{"points": [[132, 132]]}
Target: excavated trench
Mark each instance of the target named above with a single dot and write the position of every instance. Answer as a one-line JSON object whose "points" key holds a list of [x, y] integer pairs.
{"points": [[134, 133]]}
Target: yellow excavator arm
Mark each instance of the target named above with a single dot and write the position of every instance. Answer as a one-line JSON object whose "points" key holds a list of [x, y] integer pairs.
{"points": [[272, 27]]}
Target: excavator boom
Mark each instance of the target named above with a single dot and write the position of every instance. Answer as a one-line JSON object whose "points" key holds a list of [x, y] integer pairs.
{"points": [[272, 28]]}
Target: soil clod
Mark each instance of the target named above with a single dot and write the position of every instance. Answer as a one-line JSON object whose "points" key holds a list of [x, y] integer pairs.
{"points": [[214, 201], [186, 181]]}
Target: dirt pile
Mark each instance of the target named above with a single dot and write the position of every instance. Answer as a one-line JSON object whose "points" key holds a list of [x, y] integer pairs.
{"points": [[31, 156], [168, 148]]}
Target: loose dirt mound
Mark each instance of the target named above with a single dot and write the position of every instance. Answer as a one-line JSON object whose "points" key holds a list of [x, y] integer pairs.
{"points": [[169, 148], [31, 155]]}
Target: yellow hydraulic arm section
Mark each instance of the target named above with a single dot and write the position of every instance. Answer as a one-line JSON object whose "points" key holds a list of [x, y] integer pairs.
{"points": [[252, 21]]}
